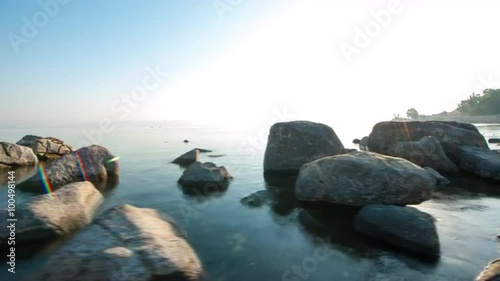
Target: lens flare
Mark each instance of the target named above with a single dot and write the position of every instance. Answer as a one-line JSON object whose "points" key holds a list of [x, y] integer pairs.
{"points": [[45, 180], [80, 167], [113, 159]]}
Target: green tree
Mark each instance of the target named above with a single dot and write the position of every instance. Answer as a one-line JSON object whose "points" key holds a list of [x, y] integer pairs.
{"points": [[412, 113], [487, 103]]}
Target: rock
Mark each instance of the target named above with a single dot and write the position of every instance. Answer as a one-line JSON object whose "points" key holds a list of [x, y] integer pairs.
{"points": [[16, 155], [46, 148], [188, 158], [494, 140], [356, 141], [480, 161], [293, 144], [349, 150], [257, 199], [205, 178], [427, 152], [363, 144], [186, 141], [490, 272], [439, 178], [125, 243], [202, 150], [450, 135], [362, 178], [48, 216], [405, 228], [92, 163]]}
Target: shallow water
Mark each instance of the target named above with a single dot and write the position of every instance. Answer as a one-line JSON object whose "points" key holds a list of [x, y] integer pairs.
{"points": [[236, 242]]}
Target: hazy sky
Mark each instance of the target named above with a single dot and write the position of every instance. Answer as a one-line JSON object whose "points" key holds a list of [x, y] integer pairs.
{"points": [[234, 61]]}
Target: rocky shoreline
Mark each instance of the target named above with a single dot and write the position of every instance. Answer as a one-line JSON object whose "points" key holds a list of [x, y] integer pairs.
{"points": [[404, 164]]}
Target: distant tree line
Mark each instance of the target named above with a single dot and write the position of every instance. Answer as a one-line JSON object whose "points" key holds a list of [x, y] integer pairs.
{"points": [[487, 103]]}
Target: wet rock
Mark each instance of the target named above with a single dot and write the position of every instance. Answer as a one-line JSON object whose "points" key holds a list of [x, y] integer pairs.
{"points": [[46, 148], [480, 161], [363, 144], [205, 178], [293, 144], [349, 150], [451, 135], [92, 163], [362, 178], [12, 155], [125, 243], [494, 140], [439, 178], [44, 217], [405, 228], [491, 272], [188, 158], [427, 152], [257, 199]]}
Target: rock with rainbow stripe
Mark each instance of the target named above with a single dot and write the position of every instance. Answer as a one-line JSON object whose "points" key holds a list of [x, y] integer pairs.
{"points": [[47, 216], [92, 163]]}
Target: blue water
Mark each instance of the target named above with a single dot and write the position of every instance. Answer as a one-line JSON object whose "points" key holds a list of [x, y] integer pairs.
{"points": [[236, 242]]}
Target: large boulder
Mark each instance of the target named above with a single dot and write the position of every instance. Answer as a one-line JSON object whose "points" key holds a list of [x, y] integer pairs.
{"points": [[362, 178], [405, 228], [450, 135], [46, 148], [125, 243], [92, 163], [205, 178], [480, 161], [16, 155], [427, 152], [490, 272], [188, 158], [293, 144], [47, 216]]}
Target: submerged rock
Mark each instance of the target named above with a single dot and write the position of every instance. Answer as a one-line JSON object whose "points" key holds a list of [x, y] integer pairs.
{"points": [[427, 152], [188, 158], [125, 243], [92, 163], [205, 178], [362, 178], [491, 272], [293, 144], [494, 140], [405, 228], [16, 155], [480, 161], [450, 135], [257, 199], [46, 148], [44, 217]]}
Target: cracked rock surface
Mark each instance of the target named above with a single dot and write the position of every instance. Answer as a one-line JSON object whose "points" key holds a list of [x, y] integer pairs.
{"points": [[16, 155], [46, 148]]}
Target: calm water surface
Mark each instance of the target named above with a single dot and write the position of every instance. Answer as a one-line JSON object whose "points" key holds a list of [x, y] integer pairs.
{"points": [[236, 242]]}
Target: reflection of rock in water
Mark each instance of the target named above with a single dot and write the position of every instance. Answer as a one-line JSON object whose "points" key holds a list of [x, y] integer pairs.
{"points": [[334, 222], [20, 172], [282, 190]]}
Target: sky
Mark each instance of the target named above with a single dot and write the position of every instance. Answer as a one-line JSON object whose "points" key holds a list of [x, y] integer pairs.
{"points": [[240, 62]]}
